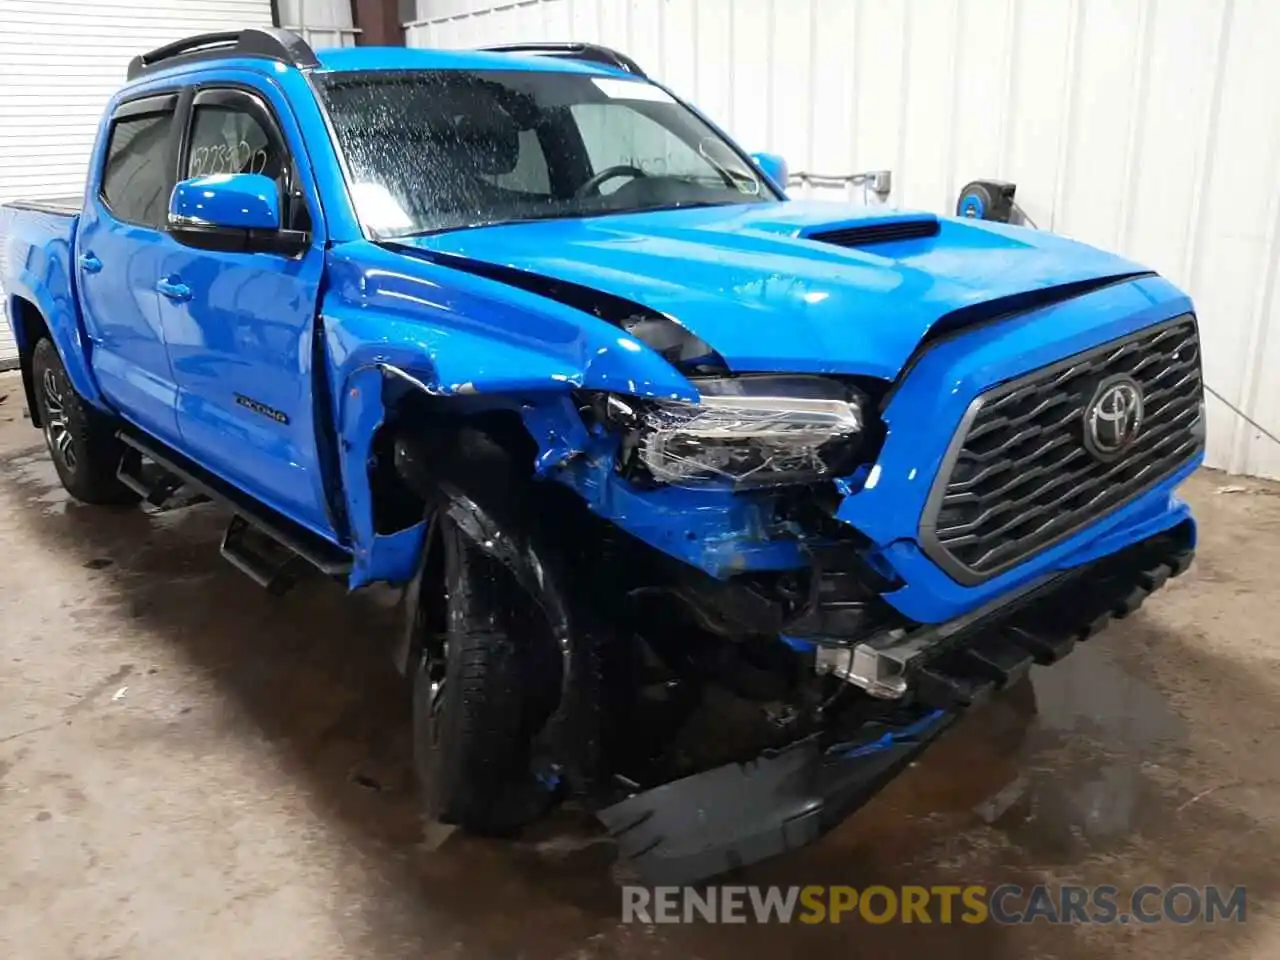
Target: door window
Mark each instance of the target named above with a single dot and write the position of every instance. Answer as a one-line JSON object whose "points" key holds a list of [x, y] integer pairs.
{"points": [[136, 180], [235, 137], [227, 140]]}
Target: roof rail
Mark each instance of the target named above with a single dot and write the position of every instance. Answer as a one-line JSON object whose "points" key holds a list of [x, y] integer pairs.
{"points": [[591, 52], [271, 43]]}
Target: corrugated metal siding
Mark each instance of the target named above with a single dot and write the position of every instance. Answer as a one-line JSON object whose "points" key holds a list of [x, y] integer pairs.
{"points": [[324, 23], [1150, 127], [60, 60]]}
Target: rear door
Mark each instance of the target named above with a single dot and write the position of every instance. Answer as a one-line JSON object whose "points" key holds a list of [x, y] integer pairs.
{"points": [[120, 250], [240, 326]]}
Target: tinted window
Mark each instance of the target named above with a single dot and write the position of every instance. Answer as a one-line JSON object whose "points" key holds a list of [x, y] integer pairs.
{"points": [[229, 139], [438, 150], [226, 140], [530, 172], [138, 178]]}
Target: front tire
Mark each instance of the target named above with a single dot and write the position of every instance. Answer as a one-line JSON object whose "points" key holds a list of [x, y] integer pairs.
{"points": [[481, 687], [81, 441]]}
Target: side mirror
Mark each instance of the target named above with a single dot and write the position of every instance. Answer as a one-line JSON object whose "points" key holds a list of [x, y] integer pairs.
{"points": [[231, 212], [774, 167]]}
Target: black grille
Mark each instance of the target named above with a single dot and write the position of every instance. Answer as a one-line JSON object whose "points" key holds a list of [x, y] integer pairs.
{"points": [[1018, 477], [867, 234]]}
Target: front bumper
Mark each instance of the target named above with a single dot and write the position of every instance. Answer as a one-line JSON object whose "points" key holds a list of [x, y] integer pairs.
{"points": [[953, 663], [694, 828]]}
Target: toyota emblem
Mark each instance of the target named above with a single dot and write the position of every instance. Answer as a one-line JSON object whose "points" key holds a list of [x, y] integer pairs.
{"points": [[1113, 418]]}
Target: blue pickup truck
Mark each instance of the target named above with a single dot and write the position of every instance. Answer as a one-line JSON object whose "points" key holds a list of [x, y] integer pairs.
{"points": [[711, 508]]}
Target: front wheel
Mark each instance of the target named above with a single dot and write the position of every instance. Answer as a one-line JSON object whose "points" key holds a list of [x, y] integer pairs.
{"points": [[81, 441], [481, 688]]}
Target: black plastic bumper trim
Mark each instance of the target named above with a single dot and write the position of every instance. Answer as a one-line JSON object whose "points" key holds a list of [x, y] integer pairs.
{"points": [[707, 824], [697, 827]]}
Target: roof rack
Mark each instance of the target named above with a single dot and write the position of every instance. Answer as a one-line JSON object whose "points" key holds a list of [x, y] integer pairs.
{"points": [[271, 43], [591, 52]]}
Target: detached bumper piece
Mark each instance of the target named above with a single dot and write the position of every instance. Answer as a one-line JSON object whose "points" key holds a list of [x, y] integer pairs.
{"points": [[691, 829], [957, 663], [694, 828]]}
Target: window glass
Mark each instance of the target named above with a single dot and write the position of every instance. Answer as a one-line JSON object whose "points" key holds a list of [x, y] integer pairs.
{"points": [[227, 140], [529, 175], [440, 150], [625, 137], [137, 179]]}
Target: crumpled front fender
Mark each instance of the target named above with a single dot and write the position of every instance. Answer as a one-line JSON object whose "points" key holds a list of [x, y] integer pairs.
{"points": [[453, 335], [464, 334]]}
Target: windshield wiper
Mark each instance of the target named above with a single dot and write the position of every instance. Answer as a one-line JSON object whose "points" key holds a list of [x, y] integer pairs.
{"points": [[491, 223], [683, 205], [566, 215]]}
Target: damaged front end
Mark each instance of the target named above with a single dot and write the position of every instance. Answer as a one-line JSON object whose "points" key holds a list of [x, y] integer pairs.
{"points": [[776, 680], [737, 672], [739, 570]]}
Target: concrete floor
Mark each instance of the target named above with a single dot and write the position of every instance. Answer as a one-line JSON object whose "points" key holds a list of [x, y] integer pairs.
{"points": [[190, 768]]}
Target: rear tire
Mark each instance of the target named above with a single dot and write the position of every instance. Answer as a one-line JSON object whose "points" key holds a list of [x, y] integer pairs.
{"points": [[82, 442]]}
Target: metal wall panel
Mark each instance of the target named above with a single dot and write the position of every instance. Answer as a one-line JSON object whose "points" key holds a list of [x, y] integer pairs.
{"points": [[324, 23], [1150, 127]]}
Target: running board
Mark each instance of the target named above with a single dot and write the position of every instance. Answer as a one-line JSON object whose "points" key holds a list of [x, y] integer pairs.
{"points": [[259, 542], [258, 557], [154, 486]]}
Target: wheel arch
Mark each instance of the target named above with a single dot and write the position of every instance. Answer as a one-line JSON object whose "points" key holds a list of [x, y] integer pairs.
{"points": [[29, 328], [33, 321], [387, 512]]}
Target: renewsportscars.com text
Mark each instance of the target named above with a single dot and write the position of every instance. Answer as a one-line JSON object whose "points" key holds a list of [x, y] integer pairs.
{"points": [[971, 904]]}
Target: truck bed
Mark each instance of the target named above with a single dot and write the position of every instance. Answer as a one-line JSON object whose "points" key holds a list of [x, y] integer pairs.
{"points": [[37, 239], [67, 206]]}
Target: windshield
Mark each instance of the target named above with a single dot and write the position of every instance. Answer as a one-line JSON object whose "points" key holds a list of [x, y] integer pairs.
{"points": [[437, 150]]}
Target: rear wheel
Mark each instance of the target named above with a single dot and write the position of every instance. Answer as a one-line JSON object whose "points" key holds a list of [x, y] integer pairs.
{"points": [[81, 441]]}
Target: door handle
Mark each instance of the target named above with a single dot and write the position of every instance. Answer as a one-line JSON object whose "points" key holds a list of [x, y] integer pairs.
{"points": [[89, 263], [174, 289]]}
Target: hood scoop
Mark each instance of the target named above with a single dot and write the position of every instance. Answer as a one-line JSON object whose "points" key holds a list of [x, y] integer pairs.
{"points": [[866, 234]]}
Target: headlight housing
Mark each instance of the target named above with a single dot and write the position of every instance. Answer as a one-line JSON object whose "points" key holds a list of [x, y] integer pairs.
{"points": [[752, 431]]}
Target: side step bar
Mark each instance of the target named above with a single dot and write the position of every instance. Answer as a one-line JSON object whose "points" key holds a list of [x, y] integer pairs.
{"points": [[259, 541], [261, 559], [154, 486]]}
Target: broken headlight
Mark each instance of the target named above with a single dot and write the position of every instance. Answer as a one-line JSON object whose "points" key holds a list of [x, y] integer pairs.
{"points": [[752, 431]]}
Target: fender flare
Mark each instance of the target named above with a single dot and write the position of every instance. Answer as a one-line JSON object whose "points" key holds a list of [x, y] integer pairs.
{"points": [[58, 316]]}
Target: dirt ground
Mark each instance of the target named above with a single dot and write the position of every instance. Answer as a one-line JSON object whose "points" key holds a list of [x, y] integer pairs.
{"points": [[190, 768]]}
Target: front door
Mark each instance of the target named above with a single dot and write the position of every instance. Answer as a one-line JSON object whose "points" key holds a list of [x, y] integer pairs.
{"points": [[239, 325]]}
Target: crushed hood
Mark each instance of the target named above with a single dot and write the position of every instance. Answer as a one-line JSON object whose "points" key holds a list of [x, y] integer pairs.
{"points": [[752, 283]]}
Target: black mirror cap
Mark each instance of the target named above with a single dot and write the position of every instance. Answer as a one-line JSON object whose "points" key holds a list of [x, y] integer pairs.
{"points": [[288, 243]]}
